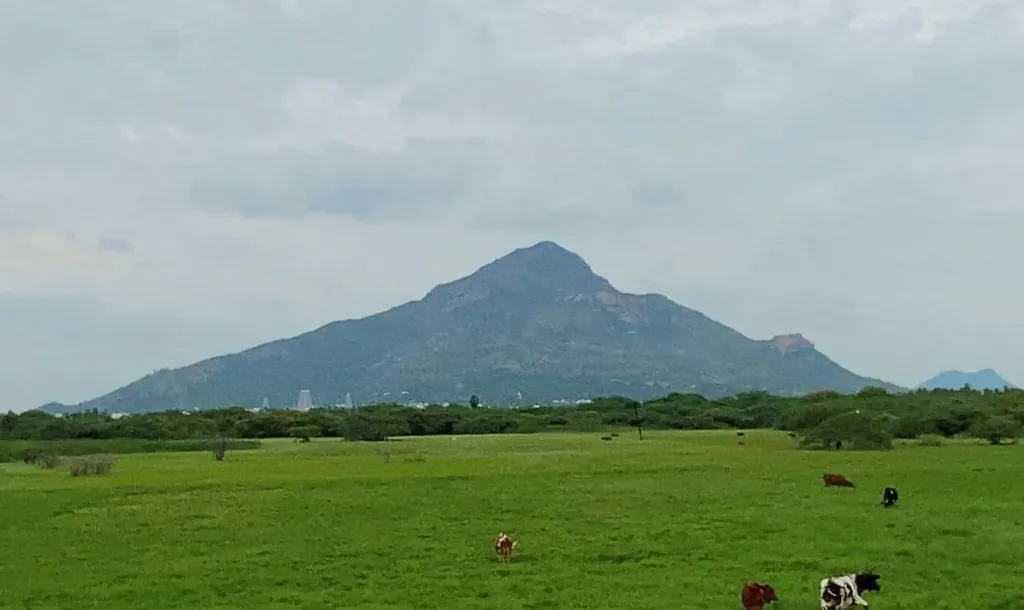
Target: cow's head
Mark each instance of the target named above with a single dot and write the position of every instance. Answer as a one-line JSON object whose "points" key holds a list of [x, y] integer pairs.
{"points": [[767, 593], [867, 581]]}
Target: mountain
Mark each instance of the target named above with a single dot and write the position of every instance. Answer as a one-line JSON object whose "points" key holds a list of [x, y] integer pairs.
{"points": [[537, 321], [985, 379]]}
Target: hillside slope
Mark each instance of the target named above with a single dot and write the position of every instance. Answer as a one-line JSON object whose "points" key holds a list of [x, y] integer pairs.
{"points": [[537, 322]]}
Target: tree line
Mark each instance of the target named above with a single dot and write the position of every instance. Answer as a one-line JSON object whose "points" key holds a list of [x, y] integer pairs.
{"points": [[869, 419]]}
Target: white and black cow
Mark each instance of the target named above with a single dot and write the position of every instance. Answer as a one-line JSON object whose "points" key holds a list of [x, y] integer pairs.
{"points": [[843, 592], [889, 496]]}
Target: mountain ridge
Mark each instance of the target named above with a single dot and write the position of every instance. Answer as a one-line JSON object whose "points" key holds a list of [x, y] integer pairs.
{"points": [[955, 379], [537, 323]]}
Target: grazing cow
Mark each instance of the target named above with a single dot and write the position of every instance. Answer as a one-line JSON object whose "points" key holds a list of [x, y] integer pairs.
{"points": [[740, 436], [503, 546], [843, 592], [756, 595], [889, 497], [836, 480]]}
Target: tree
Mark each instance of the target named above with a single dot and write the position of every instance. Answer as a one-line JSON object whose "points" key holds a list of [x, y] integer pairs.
{"points": [[303, 434], [997, 428], [637, 420], [853, 430], [8, 422], [364, 427], [474, 401]]}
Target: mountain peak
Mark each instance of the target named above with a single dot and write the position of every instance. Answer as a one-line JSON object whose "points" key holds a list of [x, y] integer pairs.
{"points": [[543, 269], [954, 379], [545, 266], [543, 258]]}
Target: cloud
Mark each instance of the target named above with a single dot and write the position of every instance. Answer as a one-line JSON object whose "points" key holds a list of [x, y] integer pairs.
{"points": [[346, 180], [114, 244], [847, 170]]}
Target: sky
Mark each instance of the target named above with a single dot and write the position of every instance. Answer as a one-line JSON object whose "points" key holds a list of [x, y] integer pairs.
{"points": [[184, 179]]}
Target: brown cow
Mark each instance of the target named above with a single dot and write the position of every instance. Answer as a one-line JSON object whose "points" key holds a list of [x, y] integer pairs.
{"points": [[503, 546], [836, 480], [756, 595]]}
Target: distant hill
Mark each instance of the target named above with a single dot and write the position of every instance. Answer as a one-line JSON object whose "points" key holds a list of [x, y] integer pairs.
{"points": [[985, 379], [536, 325]]}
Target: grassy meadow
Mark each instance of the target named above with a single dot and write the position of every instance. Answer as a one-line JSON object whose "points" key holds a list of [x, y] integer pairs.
{"points": [[678, 520]]}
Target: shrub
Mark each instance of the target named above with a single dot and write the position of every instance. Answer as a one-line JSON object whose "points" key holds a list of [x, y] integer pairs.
{"points": [[913, 426], [90, 465], [360, 427], [997, 428], [853, 430], [303, 434], [48, 461], [30, 451]]}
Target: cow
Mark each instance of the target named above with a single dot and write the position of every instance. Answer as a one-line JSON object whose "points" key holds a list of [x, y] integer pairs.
{"points": [[843, 592], [889, 496], [756, 595], [836, 480], [740, 436], [503, 546]]}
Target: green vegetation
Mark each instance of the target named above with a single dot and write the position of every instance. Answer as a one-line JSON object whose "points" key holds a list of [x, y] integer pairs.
{"points": [[870, 419], [680, 519], [33, 451]]}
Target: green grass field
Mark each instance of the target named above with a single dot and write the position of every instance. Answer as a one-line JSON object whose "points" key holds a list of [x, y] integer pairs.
{"points": [[678, 520]]}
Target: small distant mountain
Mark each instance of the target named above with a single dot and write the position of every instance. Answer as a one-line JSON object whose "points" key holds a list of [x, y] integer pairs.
{"points": [[536, 325], [985, 379]]}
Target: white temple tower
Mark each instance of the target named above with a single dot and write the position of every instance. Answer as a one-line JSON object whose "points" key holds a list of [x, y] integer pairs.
{"points": [[305, 401]]}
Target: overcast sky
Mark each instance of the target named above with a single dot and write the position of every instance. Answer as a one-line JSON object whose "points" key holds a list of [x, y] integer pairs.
{"points": [[189, 178]]}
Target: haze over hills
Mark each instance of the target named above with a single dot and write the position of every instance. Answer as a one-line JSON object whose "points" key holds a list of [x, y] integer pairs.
{"points": [[536, 322], [985, 379]]}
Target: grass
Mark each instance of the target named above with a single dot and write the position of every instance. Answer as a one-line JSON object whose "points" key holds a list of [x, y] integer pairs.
{"points": [[679, 520]]}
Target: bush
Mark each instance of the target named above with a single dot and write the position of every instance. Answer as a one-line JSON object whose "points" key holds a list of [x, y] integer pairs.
{"points": [[997, 428], [30, 451], [304, 434], [90, 465], [853, 430], [360, 427], [48, 461]]}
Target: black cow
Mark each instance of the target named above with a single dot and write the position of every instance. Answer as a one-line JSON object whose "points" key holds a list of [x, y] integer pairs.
{"points": [[889, 497]]}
